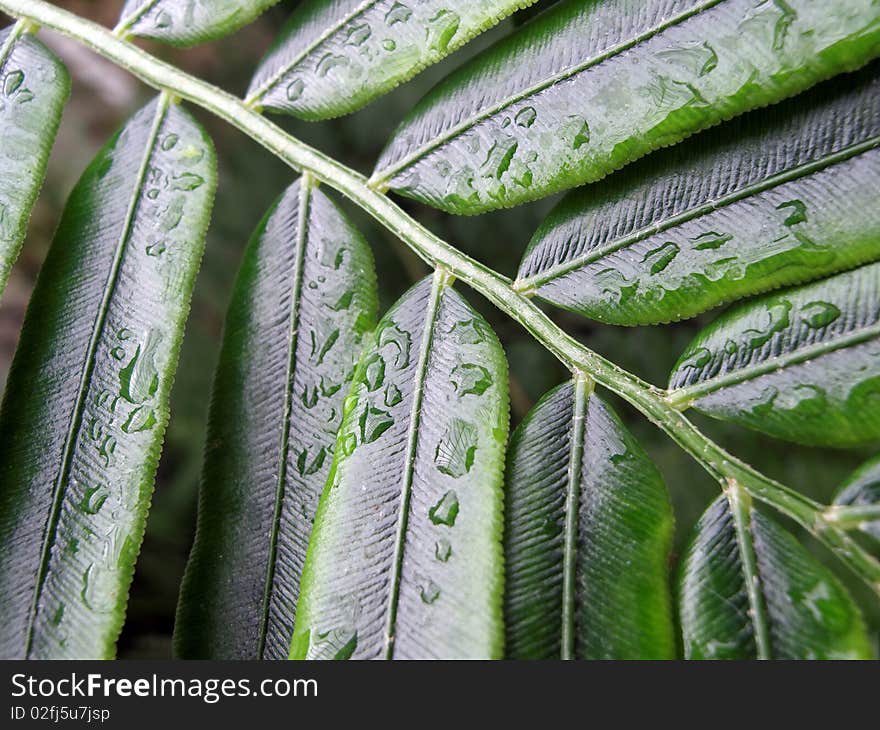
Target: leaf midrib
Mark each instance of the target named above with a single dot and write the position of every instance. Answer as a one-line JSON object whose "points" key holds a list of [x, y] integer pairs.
{"points": [[303, 212], [529, 285], [438, 285], [17, 31], [582, 392], [740, 505], [58, 488], [684, 397], [382, 178]]}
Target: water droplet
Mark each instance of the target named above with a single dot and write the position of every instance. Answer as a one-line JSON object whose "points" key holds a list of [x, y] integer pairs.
{"points": [[467, 332], [92, 500], [470, 379], [399, 13], [398, 342], [374, 422], [187, 181], [139, 380], [661, 257], [393, 396], [141, 418], [454, 455], [163, 19], [441, 29], [797, 214], [329, 388], [698, 359], [526, 117], [330, 62], [169, 141], [819, 314], [344, 301], [777, 315], [446, 510], [358, 34], [442, 550], [99, 589], [295, 89], [156, 249], [337, 644], [499, 157], [389, 45], [13, 80], [580, 130], [306, 466], [309, 396], [429, 592], [374, 372], [710, 240], [321, 344]]}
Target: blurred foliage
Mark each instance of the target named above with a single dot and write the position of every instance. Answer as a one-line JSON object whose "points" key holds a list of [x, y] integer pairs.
{"points": [[250, 179]]}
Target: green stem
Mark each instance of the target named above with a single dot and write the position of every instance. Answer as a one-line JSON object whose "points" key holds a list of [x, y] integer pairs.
{"points": [[651, 401], [852, 517]]}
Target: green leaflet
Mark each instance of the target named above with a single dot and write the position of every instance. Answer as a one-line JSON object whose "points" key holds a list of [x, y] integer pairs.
{"points": [[749, 590], [335, 56], [590, 86], [86, 402], [405, 557], [187, 22], [802, 364], [777, 197], [305, 297], [587, 538], [34, 86], [862, 489]]}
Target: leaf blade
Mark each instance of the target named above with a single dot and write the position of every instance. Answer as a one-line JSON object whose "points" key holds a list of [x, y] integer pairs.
{"points": [[187, 22], [774, 198], [87, 398], [405, 557], [799, 365], [535, 108], [608, 597], [807, 613], [277, 407], [333, 58], [34, 86]]}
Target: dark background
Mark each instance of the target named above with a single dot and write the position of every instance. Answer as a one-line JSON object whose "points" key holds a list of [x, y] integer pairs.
{"points": [[250, 179]]}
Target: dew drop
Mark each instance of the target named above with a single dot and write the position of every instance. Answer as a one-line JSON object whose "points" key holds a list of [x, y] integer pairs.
{"points": [[156, 249], [373, 423], [454, 455], [330, 62], [140, 419], [13, 80], [337, 644], [307, 466], [359, 34], [295, 89], [429, 592], [470, 379], [710, 240], [659, 258], [389, 45], [169, 141], [445, 511], [399, 13], [393, 396], [699, 359], [441, 29], [442, 550], [526, 117], [819, 314], [467, 332], [374, 372]]}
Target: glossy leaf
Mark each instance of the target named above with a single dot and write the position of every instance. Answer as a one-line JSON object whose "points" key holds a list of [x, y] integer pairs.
{"points": [[778, 197], [187, 22], [862, 489], [587, 538], [86, 402], [335, 56], [305, 297], [590, 86], [802, 364], [34, 86], [405, 557], [750, 590]]}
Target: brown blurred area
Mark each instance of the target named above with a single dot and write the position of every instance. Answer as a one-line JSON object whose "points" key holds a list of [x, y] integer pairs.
{"points": [[103, 96]]}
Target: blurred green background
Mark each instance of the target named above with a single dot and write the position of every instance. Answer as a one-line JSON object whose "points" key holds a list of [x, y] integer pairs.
{"points": [[250, 179]]}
